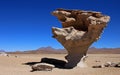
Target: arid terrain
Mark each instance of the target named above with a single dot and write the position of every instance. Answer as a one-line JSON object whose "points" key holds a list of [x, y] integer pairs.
{"points": [[14, 65], [50, 50]]}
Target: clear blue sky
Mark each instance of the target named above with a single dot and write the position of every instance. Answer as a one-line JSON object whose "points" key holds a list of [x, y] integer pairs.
{"points": [[26, 24]]}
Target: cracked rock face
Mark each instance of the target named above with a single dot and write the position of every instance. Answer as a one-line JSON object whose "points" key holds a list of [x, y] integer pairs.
{"points": [[80, 30]]}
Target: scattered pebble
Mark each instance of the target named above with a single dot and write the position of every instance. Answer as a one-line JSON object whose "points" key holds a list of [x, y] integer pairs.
{"points": [[107, 64]]}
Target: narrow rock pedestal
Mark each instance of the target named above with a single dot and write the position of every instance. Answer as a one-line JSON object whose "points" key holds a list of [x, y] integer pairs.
{"points": [[80, 30]]}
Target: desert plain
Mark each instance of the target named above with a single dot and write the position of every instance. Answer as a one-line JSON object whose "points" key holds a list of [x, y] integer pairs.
{"points": [[14, 65]]}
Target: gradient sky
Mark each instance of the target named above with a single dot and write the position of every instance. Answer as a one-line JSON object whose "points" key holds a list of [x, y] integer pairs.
{"points": [[26, 24]]}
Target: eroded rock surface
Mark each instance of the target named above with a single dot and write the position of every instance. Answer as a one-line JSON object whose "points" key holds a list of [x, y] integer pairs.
{"points": [[42, 67], [80, 30]]}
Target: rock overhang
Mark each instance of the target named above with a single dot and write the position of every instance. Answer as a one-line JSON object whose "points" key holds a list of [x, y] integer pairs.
{"points": [[80, 29]]}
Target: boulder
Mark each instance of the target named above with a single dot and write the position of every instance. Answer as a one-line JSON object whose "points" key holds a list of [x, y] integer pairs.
{"points": [[42, 67], [79, 30], [3, 54], [107, 64], [111, 64]]}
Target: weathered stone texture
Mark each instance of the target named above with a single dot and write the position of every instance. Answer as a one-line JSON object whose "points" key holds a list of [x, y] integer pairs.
{"points": [[80, 30]]}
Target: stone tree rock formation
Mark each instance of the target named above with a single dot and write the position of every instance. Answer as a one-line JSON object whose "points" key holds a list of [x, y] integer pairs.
{"points": [[80, 30]]}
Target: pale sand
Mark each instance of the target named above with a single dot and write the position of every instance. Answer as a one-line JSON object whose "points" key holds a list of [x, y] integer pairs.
{"points": [[13, 66]]}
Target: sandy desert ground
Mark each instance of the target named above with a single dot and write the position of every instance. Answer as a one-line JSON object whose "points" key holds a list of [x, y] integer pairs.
{"points": [[13, 65]]}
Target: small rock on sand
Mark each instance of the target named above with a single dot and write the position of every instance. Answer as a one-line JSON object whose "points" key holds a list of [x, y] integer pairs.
{"points": [[42, 67]]}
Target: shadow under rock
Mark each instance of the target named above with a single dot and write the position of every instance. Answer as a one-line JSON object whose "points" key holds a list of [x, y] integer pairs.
{"points": [[56, 62], [31, 63]]}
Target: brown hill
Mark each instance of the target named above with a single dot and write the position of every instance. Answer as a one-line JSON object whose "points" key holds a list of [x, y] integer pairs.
{"points": [[47, 50], [104, 51], [42, 50], [50, 50]]}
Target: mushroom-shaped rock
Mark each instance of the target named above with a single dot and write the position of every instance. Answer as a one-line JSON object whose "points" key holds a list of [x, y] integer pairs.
{"points": [[80, 30]]}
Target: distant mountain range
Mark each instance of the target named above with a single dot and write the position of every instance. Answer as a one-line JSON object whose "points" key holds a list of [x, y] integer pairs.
{"points": [[104, 50], [50, 50], [42, 50], [2, 50]]}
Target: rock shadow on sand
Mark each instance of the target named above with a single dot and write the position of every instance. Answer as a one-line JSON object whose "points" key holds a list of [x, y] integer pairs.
{"points": [[56, 62]]}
